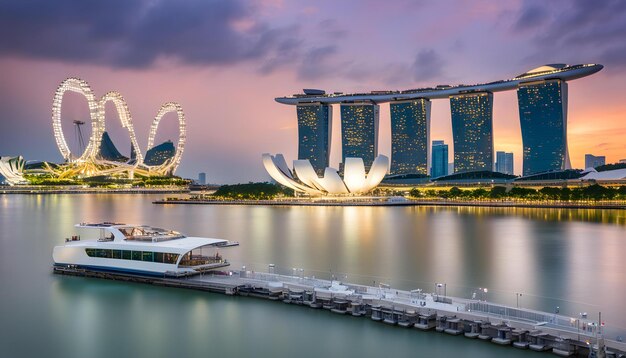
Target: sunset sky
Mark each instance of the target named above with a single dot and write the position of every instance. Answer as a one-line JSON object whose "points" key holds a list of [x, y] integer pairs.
{"points": [[226, 61]]}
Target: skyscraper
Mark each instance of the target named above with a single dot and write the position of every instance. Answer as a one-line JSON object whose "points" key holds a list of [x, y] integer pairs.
{"points": [[472, 117], [504, 162], [202, 178], [592, 161], [410, 135], [543, 119], [439, 166], [359, 131], [314, 134]]}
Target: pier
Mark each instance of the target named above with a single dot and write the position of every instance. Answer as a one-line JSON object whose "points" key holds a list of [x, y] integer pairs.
{"points": [[418, 310]]}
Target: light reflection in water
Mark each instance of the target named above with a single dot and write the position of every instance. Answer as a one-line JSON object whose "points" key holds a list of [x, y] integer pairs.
{"points": [[571, 254]]}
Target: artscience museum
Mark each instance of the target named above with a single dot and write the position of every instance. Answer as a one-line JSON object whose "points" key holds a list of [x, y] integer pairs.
{"points": [[304, 179]]}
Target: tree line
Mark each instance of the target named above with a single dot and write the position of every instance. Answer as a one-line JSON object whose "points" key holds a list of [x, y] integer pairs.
{"points": [[592, 192]]}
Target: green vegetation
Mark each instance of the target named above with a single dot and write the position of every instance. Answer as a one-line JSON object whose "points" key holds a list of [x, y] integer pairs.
{"points": [[252, 191], [107, 181], [593, 192], [49, 180], [161, 181]]}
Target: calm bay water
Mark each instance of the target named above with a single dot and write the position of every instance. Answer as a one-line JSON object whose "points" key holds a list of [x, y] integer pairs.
{"points": [[574, 259]]}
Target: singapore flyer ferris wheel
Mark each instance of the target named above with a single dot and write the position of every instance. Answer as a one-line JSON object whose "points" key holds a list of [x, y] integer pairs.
{"points": [[90, 162]]}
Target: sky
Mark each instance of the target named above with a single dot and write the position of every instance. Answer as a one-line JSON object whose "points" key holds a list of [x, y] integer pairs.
{"points": [[225, 61]]}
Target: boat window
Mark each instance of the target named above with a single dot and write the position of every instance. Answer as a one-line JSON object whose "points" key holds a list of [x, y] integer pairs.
{"points": [[205, 255], [147, 256], [170, 258], [104, 253]]}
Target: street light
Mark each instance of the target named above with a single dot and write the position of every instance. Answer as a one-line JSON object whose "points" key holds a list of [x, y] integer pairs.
{"points": [[438, 286]]}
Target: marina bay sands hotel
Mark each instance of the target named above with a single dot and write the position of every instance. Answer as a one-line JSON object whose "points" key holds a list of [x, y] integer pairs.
{"points": [[542, 100]]}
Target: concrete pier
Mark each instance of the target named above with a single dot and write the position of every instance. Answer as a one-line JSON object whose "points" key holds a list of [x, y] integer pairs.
{"points": [[520, 328]]}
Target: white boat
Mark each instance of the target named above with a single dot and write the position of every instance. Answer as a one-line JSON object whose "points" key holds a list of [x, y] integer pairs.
{"points": [[140, 249]]}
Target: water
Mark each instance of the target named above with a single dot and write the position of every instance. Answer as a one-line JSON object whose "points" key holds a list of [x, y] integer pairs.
{"points": [[574, 259]]}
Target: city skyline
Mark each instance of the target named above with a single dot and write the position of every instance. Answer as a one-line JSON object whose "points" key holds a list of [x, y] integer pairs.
{"points": [[305, 47]]}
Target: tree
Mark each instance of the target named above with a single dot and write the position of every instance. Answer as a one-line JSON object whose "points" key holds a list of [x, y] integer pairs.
{"points": [[497, 192]]}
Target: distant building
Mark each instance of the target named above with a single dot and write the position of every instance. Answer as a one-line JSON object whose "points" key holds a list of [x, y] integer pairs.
{"points": [[359, 132], [450, 167], [622, 161], [472, 131], [543, 120], [592, 161], [439, 165], [159, 154], [314, 134], [109, 152], [202, 178], [504, 162], [410, 135]]}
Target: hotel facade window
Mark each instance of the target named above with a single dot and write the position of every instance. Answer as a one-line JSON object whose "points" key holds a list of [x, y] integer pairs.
{"points": [[410, 135], [314, 134], [543, 120], [359, 132], [472, 131]]}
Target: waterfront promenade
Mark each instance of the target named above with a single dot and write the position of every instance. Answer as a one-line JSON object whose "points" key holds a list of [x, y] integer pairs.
{"points": [[401, 201]]}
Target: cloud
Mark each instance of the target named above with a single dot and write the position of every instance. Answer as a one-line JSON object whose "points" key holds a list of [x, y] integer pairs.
{"points": [[578, 30], [316, 63], [428, 65], [135, 34], [530, 17]]}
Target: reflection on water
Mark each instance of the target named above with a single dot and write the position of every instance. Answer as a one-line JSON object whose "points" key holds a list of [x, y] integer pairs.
{"points": [[571, 258]]}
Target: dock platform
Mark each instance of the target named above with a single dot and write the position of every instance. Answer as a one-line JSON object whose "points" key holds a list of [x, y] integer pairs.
{"points": [[528, 328]]}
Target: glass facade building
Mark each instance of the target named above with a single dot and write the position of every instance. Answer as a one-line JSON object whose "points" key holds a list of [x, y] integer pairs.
{"points": [[593, 161], [439, 166], [314, 134], [410, 135], [543, 119], [504, 163], [472, 131], [359, 132]]}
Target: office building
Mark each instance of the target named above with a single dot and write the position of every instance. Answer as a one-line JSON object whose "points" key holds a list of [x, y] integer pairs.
{"points": [[410, 132], [592, 161], [359, 132], [543, 120], [504, 162], [202, 178], [439, 165], [314, 134], [472, 131]]}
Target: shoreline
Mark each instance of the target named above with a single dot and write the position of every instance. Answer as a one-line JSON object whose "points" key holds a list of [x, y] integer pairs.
{"points": [[57, 190], [500, 204]]}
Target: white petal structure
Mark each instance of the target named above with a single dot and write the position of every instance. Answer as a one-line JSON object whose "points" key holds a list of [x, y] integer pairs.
{"points": [[12, 168], [354, 174], [355, 180]]}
